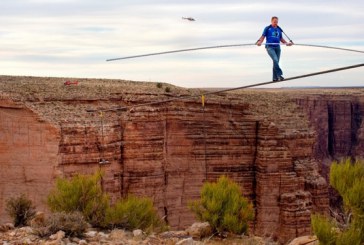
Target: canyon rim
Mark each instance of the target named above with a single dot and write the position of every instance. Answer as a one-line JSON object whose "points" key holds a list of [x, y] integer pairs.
{"points": [[276, 143]]}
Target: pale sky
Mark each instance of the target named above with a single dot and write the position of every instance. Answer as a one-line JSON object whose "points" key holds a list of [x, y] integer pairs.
{"points": [[73, 38]]}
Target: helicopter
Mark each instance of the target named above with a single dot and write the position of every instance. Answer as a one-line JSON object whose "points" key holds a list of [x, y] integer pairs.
{"points": [[188, 18]]}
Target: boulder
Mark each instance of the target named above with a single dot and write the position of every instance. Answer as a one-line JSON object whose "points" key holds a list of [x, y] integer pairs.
{"points": [[187, 241], [305, 240], [58, 236], [199, 230], [28, 230], [117, 235], [138, 234], [91, 233], [103, 235]]}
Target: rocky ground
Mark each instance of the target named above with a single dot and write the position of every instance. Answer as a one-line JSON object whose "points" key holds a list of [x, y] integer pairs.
{"points": [[197, 234], [26, 235]]}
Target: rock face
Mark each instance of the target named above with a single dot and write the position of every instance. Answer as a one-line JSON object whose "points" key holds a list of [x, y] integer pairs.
{"points": [[28, 154], [261, 139], [338, 120], [339, 125]]}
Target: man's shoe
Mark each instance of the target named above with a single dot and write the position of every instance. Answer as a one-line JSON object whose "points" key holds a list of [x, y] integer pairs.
{"points": [[281, 78], [275, 79]]}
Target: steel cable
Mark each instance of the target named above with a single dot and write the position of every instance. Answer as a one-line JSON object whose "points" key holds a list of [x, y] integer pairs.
{"points": [[228, 46]]}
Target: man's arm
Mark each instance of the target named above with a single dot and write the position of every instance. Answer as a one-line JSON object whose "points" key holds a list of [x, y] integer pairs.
{"points": [[285, 42], [260, 40]]}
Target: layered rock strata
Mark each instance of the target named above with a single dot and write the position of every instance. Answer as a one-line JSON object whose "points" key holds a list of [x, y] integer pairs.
{"points": [[261, 139], [338, 120]]}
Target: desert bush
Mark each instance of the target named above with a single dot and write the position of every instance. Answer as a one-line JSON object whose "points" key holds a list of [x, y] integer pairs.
{"points": [[347, 178], [134, 213], [223, 206], [20, 209], [159, 85], [324, 229], [73, 224], [83, 194], [167, 89], [353, 236]]}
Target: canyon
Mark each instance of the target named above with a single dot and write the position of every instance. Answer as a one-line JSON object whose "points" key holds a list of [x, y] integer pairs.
{"points": [[276, 143]]}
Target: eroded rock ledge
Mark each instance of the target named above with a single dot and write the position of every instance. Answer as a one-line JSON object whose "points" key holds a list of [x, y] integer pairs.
{"points": [[263, 139]]}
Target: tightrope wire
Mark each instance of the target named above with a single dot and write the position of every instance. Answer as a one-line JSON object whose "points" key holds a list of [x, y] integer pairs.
{"points": [[228, 46]]}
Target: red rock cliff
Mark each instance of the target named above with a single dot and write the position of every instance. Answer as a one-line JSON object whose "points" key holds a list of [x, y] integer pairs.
{"points": [[260, 139], [337, 117], [338, 120], [28, 154]]}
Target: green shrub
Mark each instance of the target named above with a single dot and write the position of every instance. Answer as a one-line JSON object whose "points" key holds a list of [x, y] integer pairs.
{"points": [[347, 178], [167, 89], [224, 207], [134, 213], [324, 229], [352, 236], [20, 209], [83, 194], [73, 224], [159, 85]]}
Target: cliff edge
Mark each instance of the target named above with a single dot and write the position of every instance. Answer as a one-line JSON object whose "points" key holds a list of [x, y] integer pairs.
{"points": [[270, 141]]}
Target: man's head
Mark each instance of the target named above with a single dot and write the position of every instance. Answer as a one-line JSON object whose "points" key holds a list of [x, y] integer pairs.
{"points": [[274, 21]]}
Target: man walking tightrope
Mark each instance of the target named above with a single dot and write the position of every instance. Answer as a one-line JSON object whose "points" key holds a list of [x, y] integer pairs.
{"points": [[273, 33]]}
